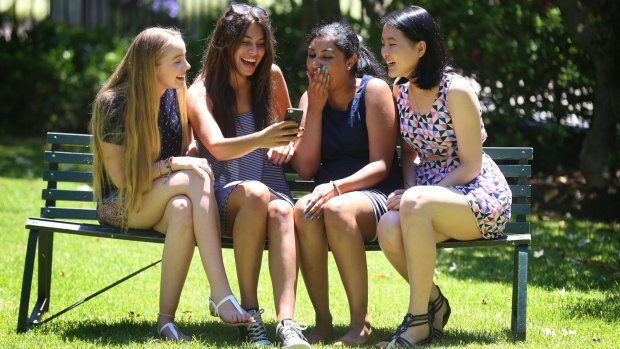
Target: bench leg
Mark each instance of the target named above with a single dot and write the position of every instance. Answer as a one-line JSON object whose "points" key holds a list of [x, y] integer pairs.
{"points": [[24, 302], [46, 246], [519, 292]]}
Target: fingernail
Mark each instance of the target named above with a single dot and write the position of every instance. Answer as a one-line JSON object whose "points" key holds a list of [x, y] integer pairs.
{"points": [[306, 216], [312, 218]]}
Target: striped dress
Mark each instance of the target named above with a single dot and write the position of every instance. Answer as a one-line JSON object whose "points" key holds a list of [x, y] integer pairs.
{"points": [[253, 166]]}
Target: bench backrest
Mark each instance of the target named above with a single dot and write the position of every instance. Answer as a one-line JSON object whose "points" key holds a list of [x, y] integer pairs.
{"points": [[69, 196]]}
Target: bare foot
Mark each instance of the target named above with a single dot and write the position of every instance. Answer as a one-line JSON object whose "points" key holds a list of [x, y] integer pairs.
{"points": [[228, 311], [356, 336], [321, 332], [169, 334]]}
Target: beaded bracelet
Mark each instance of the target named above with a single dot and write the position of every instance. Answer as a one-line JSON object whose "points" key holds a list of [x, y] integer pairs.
{"points": [[335, 187]]}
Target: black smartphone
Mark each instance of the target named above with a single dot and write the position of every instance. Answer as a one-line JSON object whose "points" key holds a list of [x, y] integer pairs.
{"points": [[294, 114]]}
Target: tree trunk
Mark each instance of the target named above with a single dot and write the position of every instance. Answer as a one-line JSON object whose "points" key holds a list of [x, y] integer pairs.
{"points": [[374, 9], [315, 12], [600, 40]]}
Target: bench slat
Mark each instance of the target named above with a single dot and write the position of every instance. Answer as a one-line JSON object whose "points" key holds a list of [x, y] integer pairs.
{"points": [[68, 138], [519, 209], [64, 157], [69, 195], [516, 170], [68, 213], [68, 176], [510, 153], [517, 228]]}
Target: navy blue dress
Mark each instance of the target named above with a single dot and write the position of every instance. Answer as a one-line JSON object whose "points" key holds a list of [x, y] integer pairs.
{"points": [[345, 149]]}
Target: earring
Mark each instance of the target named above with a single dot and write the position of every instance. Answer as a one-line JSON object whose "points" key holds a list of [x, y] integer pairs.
{"points": [[349, 68]]}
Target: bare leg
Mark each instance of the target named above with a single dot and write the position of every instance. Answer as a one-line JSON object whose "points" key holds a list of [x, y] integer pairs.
{"points": [[429, 214], [206, 228], [247, 219], [177, 255], [282, 257], [313, 255], [344, 216]]}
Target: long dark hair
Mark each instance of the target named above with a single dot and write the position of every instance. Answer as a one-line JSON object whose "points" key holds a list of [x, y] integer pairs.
{"points": [[218, 66], [418, 25], [347, 41]]}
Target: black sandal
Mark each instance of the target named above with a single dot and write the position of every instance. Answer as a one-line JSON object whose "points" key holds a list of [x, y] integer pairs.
{"points": [[433, 308], [412, 321]]}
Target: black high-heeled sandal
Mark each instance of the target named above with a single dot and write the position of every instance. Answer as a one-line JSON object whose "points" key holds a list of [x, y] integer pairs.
{"points": [[409, 321], [434, 307]]}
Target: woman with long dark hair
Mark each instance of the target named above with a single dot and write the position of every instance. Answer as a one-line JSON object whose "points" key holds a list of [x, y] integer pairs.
{"points": [[236, 107]]}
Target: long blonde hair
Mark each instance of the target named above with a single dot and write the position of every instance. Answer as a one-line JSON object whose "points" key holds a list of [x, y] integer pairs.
{"points": [[134, 80]]}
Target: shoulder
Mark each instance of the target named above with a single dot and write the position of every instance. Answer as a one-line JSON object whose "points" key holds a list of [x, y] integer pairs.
{"points": [[376, 86], [276, 71], [460, 88]]}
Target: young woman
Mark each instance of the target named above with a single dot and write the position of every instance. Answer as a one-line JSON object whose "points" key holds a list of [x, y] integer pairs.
{"points": [[453, 190], [236, 107], [348, 148], [142, 177]]}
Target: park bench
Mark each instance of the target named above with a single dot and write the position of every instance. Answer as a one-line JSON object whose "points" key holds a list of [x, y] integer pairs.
{"points": [[69, 160]]}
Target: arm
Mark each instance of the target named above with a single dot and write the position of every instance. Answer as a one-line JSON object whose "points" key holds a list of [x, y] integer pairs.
{"points": [[282, 154], [209, 133], [282, 101], [407, 162], [464, 108], [307, 158], [114, 162]]}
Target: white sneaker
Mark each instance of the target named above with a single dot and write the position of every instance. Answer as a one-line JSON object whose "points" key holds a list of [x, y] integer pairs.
{"points": [[255, 332], [290, 336]]}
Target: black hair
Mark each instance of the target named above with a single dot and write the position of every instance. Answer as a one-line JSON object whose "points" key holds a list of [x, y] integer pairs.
{"points": [[418, 25], [347, 41]]}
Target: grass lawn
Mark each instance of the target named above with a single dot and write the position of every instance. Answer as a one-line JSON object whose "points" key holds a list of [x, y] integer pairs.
{"points": [[573, 293]]}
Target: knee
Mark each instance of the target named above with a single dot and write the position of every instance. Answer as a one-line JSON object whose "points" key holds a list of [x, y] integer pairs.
{"points": [[182, 212], [194, 179], [388, 230], [416, 202], [279, 210], [255, 194]]}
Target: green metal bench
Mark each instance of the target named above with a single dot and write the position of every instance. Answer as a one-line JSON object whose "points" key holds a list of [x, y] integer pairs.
{"points": [[69, 161]]}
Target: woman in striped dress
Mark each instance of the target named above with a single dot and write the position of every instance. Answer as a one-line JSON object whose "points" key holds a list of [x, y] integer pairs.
{"points": [[236, 107]]}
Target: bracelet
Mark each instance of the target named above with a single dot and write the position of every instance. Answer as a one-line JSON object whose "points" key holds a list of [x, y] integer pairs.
{"points": [[336, 189], [169, 160]]}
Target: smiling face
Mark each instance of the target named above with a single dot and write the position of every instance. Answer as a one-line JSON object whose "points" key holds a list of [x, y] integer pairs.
{"points": [[172, 66], [251, 50], [401, 54], [323, 52]]}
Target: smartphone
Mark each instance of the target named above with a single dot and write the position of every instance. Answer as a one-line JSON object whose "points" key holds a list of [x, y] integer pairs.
{"points": [[294, 114]]}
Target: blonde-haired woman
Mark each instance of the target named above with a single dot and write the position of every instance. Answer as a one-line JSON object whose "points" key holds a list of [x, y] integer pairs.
{"points": [[143, 177]]}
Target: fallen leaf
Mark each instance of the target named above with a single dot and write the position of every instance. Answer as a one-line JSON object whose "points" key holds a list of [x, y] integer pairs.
{"points": [[548, 332], [484, 302], [566, 332], [562, 292], [539, 253], [562, 224], [452, 268]]}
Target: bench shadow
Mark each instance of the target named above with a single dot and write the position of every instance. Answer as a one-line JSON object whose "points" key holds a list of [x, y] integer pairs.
{"points": [[451, 338], [126, 332]]}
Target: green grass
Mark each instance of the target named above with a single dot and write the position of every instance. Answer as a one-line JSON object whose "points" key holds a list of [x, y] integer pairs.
{"points": [[573, 291]]}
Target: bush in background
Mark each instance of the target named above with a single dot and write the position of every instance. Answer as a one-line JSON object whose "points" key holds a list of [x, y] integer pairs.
{"points": [[51, 74]]}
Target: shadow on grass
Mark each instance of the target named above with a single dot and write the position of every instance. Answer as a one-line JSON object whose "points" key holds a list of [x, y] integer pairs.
{"points": [[575, 255], [127, 331], [454, 337]]}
